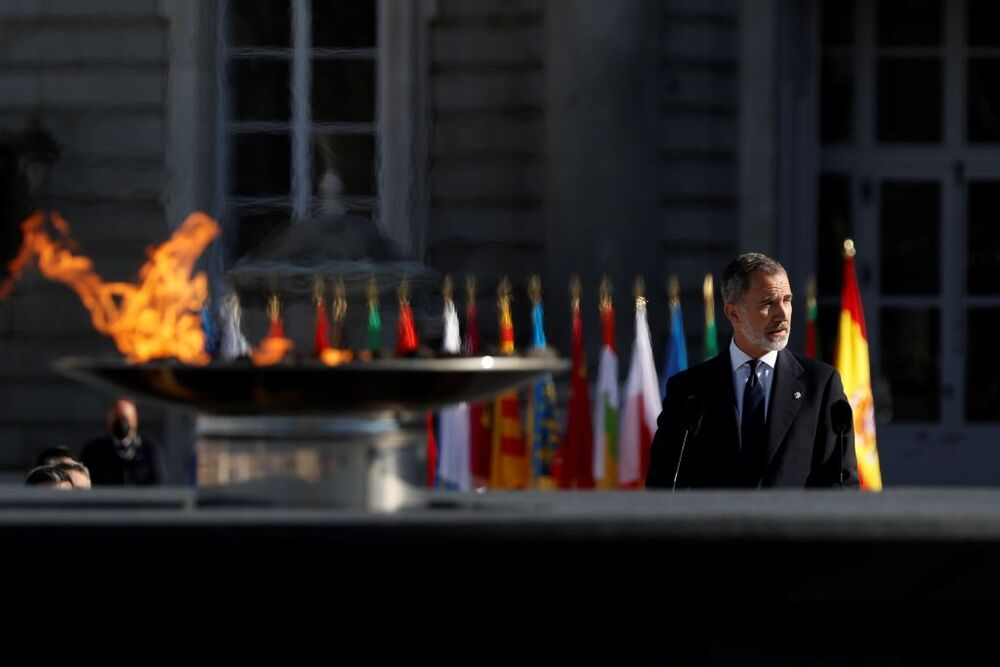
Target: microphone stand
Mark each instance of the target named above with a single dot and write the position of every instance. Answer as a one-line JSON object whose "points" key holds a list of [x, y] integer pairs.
{"points": [[840, 443], [843, 419], [694, 410], [680, 458]]}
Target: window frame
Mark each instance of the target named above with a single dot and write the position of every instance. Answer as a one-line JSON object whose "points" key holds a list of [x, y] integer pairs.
{"points": [[400, 204]]}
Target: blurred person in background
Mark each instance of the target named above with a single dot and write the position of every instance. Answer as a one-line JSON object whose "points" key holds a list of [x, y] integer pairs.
{"points": [[50, 476], [78, 473], [55, 455], [123, 457]]}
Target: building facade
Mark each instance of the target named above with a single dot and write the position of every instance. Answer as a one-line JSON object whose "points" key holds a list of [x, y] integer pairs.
{"points": [[489, 138]]}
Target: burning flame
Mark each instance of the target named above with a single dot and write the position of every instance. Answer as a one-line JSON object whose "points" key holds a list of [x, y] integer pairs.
{"points": [[272, 350], [158, 317], [332, 356]]}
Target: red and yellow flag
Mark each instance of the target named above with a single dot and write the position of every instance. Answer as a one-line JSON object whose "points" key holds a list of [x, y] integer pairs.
{"points": [[509, 463], [509, 460], [853, 363]]}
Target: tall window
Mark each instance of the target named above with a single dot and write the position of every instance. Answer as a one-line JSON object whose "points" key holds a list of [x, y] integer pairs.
{"points": [[909, 130], [298, 113]]}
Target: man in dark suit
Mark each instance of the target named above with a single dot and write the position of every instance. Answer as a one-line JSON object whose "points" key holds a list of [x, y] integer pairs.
{"points": [[767, 415], [123, 457]]}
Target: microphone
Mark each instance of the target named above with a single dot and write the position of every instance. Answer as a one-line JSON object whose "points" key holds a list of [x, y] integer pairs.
{"points": [[694, 410], [843, 421]]}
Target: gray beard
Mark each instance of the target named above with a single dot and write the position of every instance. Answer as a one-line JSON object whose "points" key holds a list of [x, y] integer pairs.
{"points": [[762, 341]]}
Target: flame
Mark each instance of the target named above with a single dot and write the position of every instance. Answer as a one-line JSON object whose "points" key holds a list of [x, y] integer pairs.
{"points": [[271, 350], [156, 318], [332, 356]]}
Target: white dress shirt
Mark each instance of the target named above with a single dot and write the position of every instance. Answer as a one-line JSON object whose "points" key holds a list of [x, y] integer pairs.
{"points": [[740, 361]]}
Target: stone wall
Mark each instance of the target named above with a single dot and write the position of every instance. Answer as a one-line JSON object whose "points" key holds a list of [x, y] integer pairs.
{"points": [[94, 74]]}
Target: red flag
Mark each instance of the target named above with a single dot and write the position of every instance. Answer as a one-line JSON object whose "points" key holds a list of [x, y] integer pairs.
{"points": [[274, 346], [321, 336], [277, 329], [470, 346], [406, 342], [576, 465], [432, 452], [480, 435], [480, 443]]}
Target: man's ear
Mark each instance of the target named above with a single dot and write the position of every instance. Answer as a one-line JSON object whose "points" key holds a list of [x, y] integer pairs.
{"points": [[731, 313]]}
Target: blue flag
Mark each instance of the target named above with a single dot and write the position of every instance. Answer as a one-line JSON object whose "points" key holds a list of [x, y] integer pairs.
{"points": [[208, 328], [543, 424], [677, 358]]}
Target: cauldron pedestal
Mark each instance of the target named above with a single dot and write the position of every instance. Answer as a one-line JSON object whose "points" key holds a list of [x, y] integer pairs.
{"points": [[376, 462]]}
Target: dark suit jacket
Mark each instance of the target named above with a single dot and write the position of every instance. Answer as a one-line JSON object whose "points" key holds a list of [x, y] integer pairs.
{"points": [[802, 448], [108, 468]]}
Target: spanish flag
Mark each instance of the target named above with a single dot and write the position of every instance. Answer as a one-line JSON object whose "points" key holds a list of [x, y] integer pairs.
{"points": [[852, 361]]}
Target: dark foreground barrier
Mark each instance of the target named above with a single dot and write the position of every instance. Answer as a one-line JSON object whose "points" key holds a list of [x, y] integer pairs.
{"points": [[737, 567]]}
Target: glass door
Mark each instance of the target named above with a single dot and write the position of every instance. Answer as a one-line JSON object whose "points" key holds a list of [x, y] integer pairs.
{"points": [[909, 165]]}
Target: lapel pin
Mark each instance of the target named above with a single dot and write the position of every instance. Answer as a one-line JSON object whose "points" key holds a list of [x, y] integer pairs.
{"points": [[797, 395]]}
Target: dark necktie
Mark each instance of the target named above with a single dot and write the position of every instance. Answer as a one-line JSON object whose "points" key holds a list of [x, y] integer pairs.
{"points": [[752, 429]]}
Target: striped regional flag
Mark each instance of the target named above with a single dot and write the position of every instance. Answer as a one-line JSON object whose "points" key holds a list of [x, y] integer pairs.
{"points": [[606, 401]]}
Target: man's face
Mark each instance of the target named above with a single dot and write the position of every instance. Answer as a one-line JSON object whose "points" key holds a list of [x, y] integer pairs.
{"points": [[762, 317], [124, 411]]}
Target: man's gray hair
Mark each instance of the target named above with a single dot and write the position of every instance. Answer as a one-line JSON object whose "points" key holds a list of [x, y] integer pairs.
{"points": [[736, 275]]}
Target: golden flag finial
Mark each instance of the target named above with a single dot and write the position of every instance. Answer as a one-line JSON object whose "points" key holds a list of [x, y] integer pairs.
{"points": [[503, 289], [605, 292], [849, 247], [448, 288], [639, 291], [339, 299], [811, 293], [708, 291], [470, 289], [372, 292], [535, 288], [575, 291], [273, 308], [673, 291], [318, 289], [404, 292]]}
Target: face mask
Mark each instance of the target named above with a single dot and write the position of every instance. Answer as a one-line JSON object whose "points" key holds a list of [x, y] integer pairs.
{"points": [[120, 428]]}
